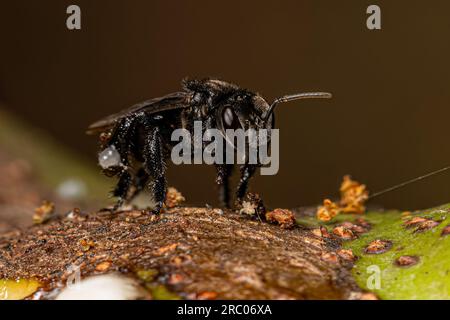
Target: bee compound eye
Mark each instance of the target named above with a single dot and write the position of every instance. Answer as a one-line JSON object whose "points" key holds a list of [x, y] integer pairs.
{"points": [[230, 119]]}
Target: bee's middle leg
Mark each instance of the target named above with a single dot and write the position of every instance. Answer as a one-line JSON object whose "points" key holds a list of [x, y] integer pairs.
{"points": [[140, 182], [247, 171]]}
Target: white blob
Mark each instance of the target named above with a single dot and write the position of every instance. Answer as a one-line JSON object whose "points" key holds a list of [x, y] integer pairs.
{"points": [[109, 157], [104, 287], [72, 189]]}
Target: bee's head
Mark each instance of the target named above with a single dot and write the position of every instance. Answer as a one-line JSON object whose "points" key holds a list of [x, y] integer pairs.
{"points": [[242, 110], [245, 110]]}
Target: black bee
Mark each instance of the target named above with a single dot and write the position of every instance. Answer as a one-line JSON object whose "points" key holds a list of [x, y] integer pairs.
{"points": [[136, 142]]}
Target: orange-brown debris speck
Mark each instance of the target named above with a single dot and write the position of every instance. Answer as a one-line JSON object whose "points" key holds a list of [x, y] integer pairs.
{"points": [[207, 295], [347, 224], [378, 246], [358, 229], [180, 259], [346, 254], [353, 196], [427, 225], [252, 205], [355, 228], [86, 245], [446, 230], [165, 249], [105, 137], [75, 214], [363, 223], [324, 232], [44, 212], [317, 232], [343, 233], [124, 257], [285, 218], [103, 266], [328, 210], [368, 296], [175, 278], [414, 221], [421, 224], [330, 257], [173, 198], [321, 232], [406, 261]]}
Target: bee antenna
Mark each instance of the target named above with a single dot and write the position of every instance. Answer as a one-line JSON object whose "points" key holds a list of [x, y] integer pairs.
{"points": [[296, 96]]}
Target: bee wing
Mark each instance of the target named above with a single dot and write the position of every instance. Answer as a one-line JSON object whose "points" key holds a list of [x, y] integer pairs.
{"points": [[177, 100]]}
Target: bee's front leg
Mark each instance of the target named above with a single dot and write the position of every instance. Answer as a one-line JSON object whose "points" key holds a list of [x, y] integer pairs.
{"points": [[247, 171], [223, 180]]}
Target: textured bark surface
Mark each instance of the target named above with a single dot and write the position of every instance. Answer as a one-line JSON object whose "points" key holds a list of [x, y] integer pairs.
{"points": [[192, 251]]}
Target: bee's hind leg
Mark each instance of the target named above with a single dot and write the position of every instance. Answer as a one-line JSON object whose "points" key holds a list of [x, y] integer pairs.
{"points": [[122, 189], [155, 166], [121, 140]]}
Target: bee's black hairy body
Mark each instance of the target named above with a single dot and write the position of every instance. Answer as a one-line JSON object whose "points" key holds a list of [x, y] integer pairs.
{"points": [[142, 134]]}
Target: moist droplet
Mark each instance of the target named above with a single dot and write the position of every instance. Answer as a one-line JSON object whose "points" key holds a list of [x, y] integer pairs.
{"points": [[109, 157]]}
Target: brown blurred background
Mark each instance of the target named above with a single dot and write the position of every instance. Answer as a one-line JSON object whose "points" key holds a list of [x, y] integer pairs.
{"points": [[388, 120]]}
